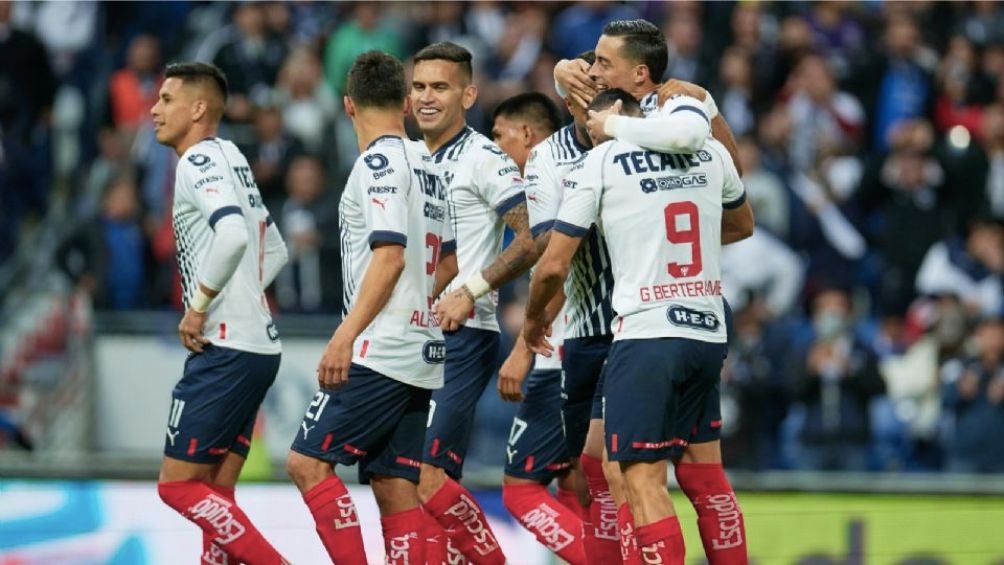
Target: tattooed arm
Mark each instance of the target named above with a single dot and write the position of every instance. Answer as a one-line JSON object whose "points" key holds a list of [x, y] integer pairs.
{"points": [[514, 260]]}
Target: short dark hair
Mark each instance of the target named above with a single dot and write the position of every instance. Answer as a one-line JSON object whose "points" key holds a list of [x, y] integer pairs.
{"points": [[200, 73], [643, 43], [587, 56], [376, 80], [534, 107], [607, 97], [447, 51]]}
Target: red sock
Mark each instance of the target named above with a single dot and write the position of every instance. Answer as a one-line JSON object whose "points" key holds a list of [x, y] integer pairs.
{"points": [[719, 517], [555, 526], [629, 545], [213, 554], [455, 509], [220, 517], [570, 499], [602, 541], [435, 540], [662, 542], [403, 535], [336, 521]]}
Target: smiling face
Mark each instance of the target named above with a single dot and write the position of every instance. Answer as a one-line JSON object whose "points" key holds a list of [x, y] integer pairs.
{"points": [[440, 95], [612, 69], [173, 112]]}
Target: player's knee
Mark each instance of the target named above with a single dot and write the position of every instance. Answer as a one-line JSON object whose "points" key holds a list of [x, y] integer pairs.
{"points": [[643, 481], [306, 471], [430, 481]]}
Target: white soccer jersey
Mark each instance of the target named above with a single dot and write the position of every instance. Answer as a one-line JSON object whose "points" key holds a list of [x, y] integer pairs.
{"points": [[394, 195], [213, 180], [587, 309], [661, 215], [484, 184]]}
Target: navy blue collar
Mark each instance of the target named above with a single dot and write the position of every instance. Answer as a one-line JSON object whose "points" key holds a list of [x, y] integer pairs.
{"points": [[388, 136], [453, 141]]}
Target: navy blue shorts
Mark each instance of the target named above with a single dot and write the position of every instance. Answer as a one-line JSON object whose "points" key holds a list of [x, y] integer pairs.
{"points": [[471, 359], [373, 420], [214, 405], [582, 363], [536, 448], [661, 395]]}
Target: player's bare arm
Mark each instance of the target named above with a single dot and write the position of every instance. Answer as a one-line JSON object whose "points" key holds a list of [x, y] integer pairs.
{"points": [[572, 77], [737, 224], [446, 271], [378, 284], [517, 365], [719, 127], [511, 263], [548, 278]]}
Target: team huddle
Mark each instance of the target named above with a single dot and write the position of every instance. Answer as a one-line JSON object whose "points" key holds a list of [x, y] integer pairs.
{"points": [[620, 217]]}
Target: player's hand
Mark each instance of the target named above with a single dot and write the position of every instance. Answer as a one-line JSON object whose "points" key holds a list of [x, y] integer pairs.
{"points": [[597, 120], [573, 76], [454, 309], [513, 371], [535, 334], [190, 330], [673, 87], [333, 370]]}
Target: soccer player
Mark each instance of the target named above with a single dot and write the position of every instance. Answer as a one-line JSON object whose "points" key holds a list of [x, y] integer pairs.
{"points": [[536, 454], [632, 55], [229, 251], [379, 368], [661, 379], [485, 194]]}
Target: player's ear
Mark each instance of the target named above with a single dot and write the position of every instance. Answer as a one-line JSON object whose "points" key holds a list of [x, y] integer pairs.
{"points": [[641, 74], [407, 105], [527, 135], [470, 96], [350, 108], [199, 109]]}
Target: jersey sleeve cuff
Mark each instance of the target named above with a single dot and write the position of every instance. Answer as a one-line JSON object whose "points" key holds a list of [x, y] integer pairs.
{"points": [[448, 247], [386, 236], [221, 212], [571, 230], [735, 203], [541, 228], [510, 203], [693, 109]]}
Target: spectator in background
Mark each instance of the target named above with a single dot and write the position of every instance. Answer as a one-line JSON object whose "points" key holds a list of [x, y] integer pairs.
{"points": [[976, 401], [271, 154], [133, 89], [836, 34], [363, 31], [109, 256], [577, 27], [766, 193], [683, 37], [971, 269], [764, 266], [824, 119], [961, 88], [250, 60], [899, 83], [308, 105], [747, 20], [755, 392], [311, 281], [112, 161], [993, 144], [904, 193], [734, 94], [834, 384]]}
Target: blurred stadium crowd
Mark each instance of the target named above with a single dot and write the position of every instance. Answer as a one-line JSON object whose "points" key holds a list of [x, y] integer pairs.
{"points": [[869, 331]]}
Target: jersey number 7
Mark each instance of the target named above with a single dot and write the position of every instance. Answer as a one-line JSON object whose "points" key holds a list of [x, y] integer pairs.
{"points": [[691, 235]]}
